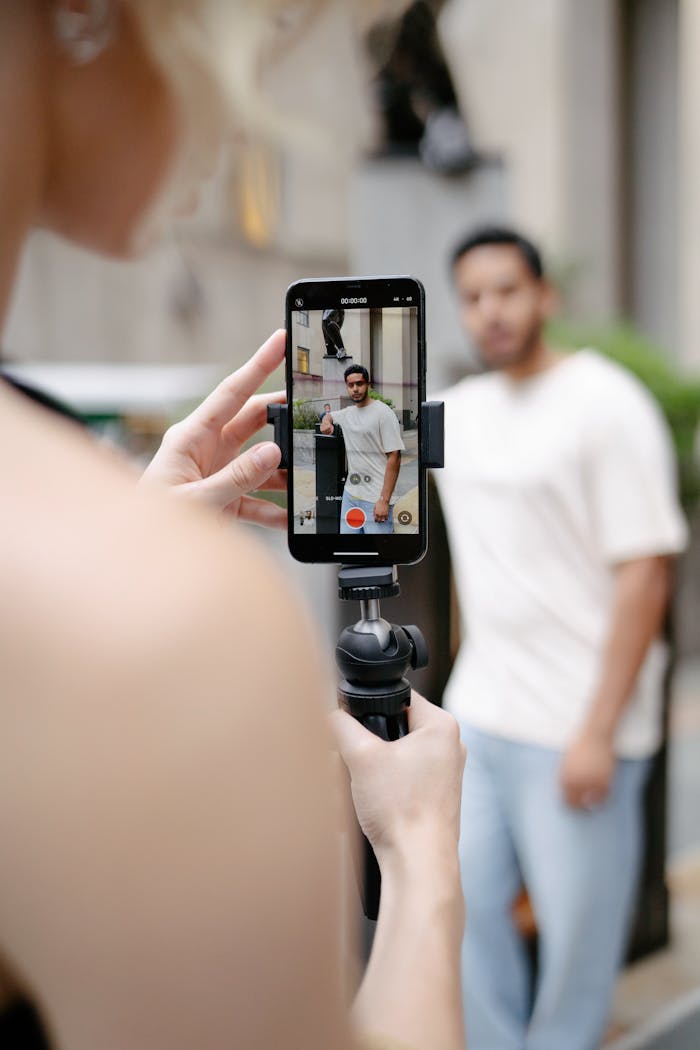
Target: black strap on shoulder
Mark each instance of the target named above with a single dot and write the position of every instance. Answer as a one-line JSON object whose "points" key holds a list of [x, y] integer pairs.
{"points": [[40, 397]]}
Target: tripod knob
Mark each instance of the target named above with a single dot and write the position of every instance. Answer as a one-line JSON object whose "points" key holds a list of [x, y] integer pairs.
{"points": [[368, 583], [419, 647]]}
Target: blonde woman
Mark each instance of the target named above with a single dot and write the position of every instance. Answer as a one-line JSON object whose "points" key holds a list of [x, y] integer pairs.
{"points": [[169, 874]]}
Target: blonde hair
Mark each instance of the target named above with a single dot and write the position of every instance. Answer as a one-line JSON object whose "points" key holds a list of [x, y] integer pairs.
{"points": [[227, 39], [212, 53]]}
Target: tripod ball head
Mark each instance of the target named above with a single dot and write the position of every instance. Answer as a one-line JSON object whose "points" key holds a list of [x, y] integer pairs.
{"points": [[373, 676], [361, 658]]}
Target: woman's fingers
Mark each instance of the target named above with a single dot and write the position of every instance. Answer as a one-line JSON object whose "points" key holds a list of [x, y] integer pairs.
{"points": [[250, 419], [231, 394], [351, 738], [423, 714], [259, 512], [351, 735], [277, 482], [249, 471]]}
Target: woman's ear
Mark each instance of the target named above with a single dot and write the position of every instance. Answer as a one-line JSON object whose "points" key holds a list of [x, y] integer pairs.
{"points": [[84, 28]]}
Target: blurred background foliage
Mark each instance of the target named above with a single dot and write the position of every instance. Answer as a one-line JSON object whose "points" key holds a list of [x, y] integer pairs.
{"points": [[677, 393], [305, 415], [380, 397]]}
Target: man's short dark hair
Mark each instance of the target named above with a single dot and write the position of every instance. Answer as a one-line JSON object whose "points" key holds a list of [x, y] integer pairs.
{"points": [[351, 369], [488, 235]]}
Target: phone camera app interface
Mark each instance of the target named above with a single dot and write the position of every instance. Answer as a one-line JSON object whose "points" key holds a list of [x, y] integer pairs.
{"points": [[355, 420]]}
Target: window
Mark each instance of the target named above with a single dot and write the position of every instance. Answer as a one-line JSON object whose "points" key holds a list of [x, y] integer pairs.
{"points": [[302, 360], [303, 318]]}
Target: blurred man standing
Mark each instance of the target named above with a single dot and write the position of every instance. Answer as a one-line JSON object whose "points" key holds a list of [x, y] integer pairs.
{"points": [[558, 492]]}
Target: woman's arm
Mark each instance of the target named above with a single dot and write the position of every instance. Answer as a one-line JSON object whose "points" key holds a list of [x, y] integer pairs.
{"points": [[170, 874], [407, 795]]}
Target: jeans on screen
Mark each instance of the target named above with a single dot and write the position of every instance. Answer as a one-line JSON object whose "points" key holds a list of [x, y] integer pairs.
{"points": [[581, 871]]}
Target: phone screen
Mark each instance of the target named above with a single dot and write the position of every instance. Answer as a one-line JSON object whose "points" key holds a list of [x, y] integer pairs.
{"points": [[355, 373]]}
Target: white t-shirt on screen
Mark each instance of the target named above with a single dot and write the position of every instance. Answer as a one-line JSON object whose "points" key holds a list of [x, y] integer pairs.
{"points": [[548, 484], [370, 432]]}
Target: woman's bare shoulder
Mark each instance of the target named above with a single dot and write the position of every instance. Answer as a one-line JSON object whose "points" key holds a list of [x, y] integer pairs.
{"points": [[79, 536], [111, 589], [105, 581], [163, 760]]}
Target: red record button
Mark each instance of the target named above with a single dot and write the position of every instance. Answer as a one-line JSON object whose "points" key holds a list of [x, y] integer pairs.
{"points": [[355, 518]]}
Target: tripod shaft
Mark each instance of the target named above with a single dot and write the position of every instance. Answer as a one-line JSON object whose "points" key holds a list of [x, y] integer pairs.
{"points": [[388, 727]]}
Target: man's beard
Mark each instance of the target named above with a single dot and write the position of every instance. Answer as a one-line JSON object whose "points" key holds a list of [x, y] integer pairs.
{"points": [[520, 355]]}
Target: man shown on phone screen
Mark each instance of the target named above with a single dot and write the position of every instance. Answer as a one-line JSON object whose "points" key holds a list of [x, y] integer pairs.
{"points": [[373, 444]]}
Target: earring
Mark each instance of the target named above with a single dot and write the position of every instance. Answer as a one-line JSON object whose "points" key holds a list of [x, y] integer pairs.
{"points": [[84, 28]]}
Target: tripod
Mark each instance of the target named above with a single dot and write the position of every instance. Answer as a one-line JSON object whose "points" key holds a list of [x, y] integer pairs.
{"points": [[373, 657]]}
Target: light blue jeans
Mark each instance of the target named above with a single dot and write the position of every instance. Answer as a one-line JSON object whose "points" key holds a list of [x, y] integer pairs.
{"points": [[581, 870], [370, 525]]}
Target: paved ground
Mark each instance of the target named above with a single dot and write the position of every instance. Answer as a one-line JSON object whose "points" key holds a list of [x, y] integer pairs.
{"points": [[660, 983], [684, 785]]}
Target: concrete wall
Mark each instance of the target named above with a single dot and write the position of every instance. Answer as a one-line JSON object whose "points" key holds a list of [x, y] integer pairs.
{"points": [[590, 112], [506, 56], [194, 299], [406, 221], [651, 170], [393, 347], [594, 108], [589, 246], [689, 183], [537, 83]]}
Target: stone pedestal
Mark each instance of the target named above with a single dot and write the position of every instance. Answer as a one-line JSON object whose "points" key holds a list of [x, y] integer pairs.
{"points": [[406, 220], [333, 376]]}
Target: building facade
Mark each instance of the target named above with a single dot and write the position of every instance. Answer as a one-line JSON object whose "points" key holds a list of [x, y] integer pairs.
{"points": [[587, 113]]}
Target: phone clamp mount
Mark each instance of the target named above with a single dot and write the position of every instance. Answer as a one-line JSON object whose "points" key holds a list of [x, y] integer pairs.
{"points": [[432, 431]]}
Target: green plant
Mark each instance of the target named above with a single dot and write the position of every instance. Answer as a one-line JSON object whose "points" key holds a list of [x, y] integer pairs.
{"points": [[305, 415], [380, 397], [677, 394]]}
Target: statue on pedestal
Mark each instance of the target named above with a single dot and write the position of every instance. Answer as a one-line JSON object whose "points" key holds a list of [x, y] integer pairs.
{"points": [[331, 323]]}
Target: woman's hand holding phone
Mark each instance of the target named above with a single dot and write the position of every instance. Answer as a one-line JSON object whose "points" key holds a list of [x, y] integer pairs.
{"points": [[200, 457]]}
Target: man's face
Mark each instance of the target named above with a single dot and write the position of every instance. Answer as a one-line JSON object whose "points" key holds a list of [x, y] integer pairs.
{"points": [[503, 306], [357, 386]]}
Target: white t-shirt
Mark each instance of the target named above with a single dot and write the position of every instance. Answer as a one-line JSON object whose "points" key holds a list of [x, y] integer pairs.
{"points": [[548, 483], [370, 433]]}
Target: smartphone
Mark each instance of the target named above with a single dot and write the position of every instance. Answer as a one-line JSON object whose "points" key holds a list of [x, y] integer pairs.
{"points": [[355, 371]]}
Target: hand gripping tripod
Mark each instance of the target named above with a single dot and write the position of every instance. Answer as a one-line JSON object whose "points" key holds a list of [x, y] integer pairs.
{"points": [[373, 656]]}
